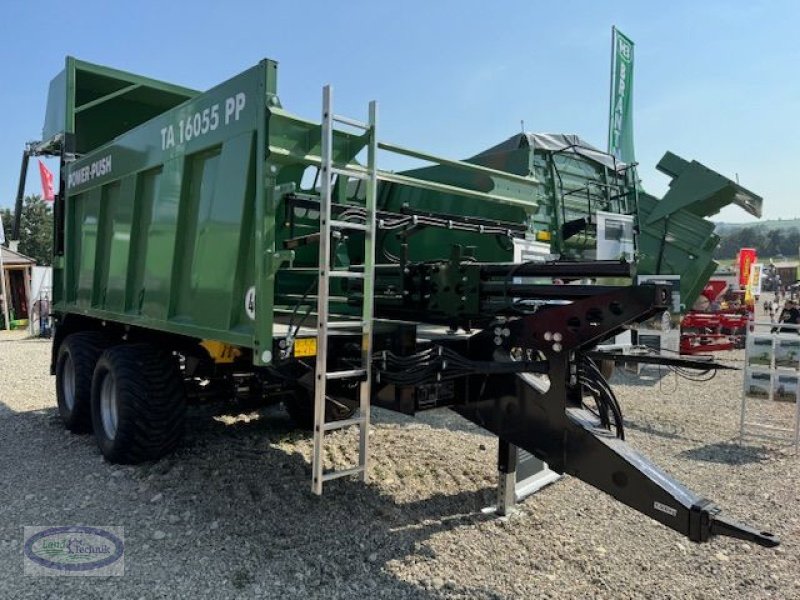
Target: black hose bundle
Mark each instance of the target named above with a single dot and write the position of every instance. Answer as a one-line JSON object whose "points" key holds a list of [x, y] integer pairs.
{"points": [[607, 408], [409, 222], [438, 363], [433, 364]]}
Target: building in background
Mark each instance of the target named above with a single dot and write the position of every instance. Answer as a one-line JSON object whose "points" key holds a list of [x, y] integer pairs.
{"points": [[16, 272], [787, 272]]}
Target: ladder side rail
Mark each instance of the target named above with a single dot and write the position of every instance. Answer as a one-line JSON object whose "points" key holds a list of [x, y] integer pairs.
{"points": [[369, 288], [320, 387]]}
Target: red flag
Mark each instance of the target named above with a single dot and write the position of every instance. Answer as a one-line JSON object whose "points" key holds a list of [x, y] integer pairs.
{"points": [[47, 183]]}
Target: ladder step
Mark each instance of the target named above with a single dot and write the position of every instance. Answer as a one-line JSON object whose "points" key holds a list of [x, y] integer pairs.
{"points": [[350, 173], [349, 374], [343, 473], [351, 122], [334, 425], [345, 324], [348, 225], [346, 274]]}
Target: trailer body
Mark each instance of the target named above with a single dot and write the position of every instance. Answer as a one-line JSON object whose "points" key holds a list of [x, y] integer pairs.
{"points": [[194, 238], [159, 223]]}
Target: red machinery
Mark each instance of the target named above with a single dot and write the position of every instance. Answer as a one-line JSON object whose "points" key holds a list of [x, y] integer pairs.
{"points": [[722, 327]]}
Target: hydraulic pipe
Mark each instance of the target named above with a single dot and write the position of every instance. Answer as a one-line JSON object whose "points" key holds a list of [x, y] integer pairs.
{"points": [[559, 269], [542, 292], [23, 174]]}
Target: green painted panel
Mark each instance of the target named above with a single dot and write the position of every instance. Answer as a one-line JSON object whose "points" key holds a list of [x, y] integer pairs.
{"points": [[88, 211], [157, 277], [681, 245], [55, 119], [217, 243], [199, 180], [121, 209], [148, 185], [97, 103], [72, 238], [240, 163], [109, 200]]}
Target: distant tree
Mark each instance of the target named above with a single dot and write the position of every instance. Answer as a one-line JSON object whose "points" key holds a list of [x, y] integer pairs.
{"points": [[36, 229], [792, 245], [767, 242], [7, 217]]}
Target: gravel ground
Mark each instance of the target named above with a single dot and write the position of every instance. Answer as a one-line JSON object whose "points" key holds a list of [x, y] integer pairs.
{"points": [[230, 515]]}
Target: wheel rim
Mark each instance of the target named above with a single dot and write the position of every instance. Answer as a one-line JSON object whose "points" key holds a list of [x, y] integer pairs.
{"points": [[108, 405], [68, 382]]}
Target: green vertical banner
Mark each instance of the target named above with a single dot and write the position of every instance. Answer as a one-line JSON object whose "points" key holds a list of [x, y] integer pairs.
{"points": [[620, 122]]}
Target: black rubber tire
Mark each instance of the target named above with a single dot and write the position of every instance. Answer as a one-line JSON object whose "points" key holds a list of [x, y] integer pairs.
{"points": [[151, 403], [300, 406], [83, 349]]}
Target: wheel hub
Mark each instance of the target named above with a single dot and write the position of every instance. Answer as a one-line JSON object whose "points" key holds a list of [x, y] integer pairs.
{"points": [[108, 406], [68, 382]]}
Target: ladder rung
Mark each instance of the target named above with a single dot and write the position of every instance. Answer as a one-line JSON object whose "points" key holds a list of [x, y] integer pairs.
{"points": [[349, 173], [344, 324], [351, 122], [349, 374], [333, 425], [343, 473], [348, 225], [346, 274]]}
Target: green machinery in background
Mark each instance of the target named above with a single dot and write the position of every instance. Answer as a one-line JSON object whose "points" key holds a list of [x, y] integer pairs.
{"points": [[583, 187], [676, 236], [215, 244]]}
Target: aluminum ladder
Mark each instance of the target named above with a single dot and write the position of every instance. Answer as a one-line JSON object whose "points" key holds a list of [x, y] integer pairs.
{"points": [[327, 273]]}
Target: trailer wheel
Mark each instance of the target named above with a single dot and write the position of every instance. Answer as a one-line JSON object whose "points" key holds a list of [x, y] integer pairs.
{"points": [[77, 357], [138, 403], [300, 406]]}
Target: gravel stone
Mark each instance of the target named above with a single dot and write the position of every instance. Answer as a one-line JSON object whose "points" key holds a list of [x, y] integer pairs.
{"points": [[250, 528]]}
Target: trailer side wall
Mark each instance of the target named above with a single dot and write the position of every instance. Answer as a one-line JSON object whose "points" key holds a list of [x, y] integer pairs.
{"points": [[160, 221]]}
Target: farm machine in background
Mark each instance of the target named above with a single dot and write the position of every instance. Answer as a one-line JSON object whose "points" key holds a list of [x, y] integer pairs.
{"points": [[215, 241], [718, 322]]}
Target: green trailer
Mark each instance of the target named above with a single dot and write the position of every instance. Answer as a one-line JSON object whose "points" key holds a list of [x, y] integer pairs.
{"points": [[214, 244]]}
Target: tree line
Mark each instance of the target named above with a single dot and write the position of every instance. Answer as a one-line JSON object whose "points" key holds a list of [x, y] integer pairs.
{"points": [[35, 231], [767, 242]]}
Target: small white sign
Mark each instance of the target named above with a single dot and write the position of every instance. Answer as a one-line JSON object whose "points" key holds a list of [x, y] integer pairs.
{"points": [[250, 303], [665, 509]]}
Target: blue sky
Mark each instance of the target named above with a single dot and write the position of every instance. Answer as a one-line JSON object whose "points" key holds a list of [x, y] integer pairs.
{"points": [[714, 81]]}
